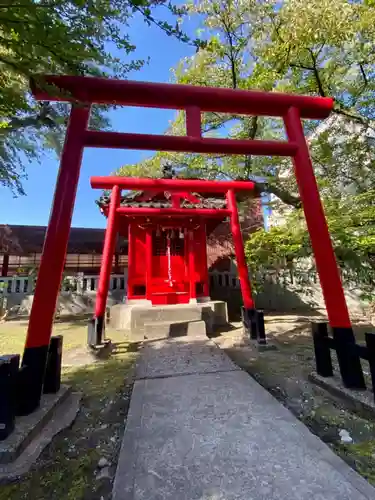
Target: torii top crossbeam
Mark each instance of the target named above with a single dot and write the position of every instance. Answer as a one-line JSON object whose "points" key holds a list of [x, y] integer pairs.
{"points": [[194, 100], [172, 96]]}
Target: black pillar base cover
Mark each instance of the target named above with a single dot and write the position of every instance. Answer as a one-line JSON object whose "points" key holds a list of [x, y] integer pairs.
{"points": [[52, 376], [348, 358], [249, 322], [322, 349], [30, 379], [370, 344], [261, 331], [9, 366], [95, 331]]}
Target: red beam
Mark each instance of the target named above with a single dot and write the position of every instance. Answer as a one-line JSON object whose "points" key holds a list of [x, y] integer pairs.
{"points": [[242, 270], [174, 212], [52, 263], [321, 243], [97, 139], [173, 96], [198, 186], [107, 258]]}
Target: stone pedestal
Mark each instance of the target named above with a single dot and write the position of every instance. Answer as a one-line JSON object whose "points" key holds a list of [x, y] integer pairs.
{"points": [[136, 319]]}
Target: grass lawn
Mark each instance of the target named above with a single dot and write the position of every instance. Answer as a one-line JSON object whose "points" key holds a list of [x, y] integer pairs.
{"points": [[67, 469]]}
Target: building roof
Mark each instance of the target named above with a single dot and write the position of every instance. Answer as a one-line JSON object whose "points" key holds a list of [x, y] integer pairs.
{"points": [[18, 240]]}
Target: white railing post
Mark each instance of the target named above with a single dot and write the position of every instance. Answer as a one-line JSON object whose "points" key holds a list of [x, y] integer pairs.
{"points": [[80, 283]]}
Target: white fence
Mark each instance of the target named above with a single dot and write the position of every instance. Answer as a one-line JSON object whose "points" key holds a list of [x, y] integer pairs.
{"points": [[280, 291], [224, 280], [80, 284], [24, 285]]}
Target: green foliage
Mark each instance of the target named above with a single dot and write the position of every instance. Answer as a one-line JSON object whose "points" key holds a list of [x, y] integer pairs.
{"points": [[59, 36], [279, 46], [322, 48], [278, 248], [351, 222]]}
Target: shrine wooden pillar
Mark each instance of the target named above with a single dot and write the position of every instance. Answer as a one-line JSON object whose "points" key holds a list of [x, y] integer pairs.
{"points": [[240, 252], [191, 261], [131, 260], [51, 266], [5, 265], [253, 324], [203, 257], [106, 264], [329, 276], [149, 264]]}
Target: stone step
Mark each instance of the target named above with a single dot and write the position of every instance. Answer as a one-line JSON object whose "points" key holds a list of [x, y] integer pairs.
{"points": [[132, 318], [168, 314], [165, 329]]}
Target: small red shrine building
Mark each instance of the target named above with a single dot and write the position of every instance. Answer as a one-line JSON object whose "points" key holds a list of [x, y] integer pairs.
{"points": [[167, 221], [167, 255]]}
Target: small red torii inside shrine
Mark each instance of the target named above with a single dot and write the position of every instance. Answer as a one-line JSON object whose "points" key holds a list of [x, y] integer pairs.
{"points": [[82, 92], [183, 271]]}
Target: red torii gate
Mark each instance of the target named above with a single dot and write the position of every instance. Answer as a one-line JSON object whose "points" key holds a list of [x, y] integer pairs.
{"points": [[116, 184], [82, 92]]}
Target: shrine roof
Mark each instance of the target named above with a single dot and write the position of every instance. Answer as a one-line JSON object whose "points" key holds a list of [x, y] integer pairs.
{"points": [[163, 200]]}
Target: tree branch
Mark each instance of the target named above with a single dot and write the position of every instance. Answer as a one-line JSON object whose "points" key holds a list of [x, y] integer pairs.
{"points": [[364, 76], [301, 66], [282, 194], [316, 73], [38, 120], [252, 133], [340, 110], [231, 55]]}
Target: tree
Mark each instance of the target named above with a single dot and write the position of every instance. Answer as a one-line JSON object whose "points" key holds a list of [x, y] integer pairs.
{"points": [[279, 46], [58, 36], [351, 222], [323, 48]]}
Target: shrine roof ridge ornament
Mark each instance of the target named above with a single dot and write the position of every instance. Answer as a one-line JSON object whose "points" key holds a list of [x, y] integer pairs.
{"points": [[175, 96]]}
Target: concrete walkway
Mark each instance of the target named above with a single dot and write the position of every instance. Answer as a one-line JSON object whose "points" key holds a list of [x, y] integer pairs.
{"points": [[199, 428]]}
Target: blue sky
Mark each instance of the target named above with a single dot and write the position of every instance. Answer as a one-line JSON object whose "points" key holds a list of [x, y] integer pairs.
{"points": [[33, 209]]}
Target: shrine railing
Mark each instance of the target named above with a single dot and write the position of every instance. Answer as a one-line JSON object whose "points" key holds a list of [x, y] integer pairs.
{"points": [[220, 279], [88, 283], [79, 284]]}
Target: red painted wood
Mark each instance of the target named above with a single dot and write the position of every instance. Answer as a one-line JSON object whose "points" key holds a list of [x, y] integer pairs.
{"points": [[149, 263], [203, 260], [136, 260], [194, 100], [192, 271], [131, 257], [108, 253], [193, 122], [173, 96], [56, 239], [161, 213], [169, 278], [326, 264], [198, 186], [151, 142], [240, 253], [170, 298]]}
